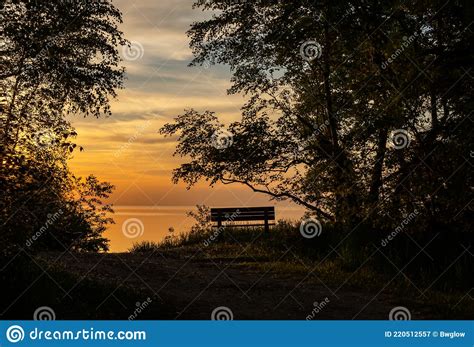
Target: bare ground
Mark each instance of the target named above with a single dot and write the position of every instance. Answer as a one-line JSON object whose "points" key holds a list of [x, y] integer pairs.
{"points": [[193, 286]]}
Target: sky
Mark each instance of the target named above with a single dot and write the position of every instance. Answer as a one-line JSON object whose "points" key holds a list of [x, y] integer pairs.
{"points": [[126, 148]]}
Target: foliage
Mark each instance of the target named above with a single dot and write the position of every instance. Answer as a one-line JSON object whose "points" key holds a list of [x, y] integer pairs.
{"points": [[59, 57], [144, 247], [56, 58], [202, 217], [431, 268], [44, 206], [319, 129]]}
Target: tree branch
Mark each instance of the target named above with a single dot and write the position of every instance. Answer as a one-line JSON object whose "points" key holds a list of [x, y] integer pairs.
{"points": [[279, 195]]}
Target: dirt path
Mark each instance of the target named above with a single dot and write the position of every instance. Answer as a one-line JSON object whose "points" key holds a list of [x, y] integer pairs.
{"points": [[196, 286]]}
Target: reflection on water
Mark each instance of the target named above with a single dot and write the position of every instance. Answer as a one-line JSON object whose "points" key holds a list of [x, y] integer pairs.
{"points": [[152, 223]]}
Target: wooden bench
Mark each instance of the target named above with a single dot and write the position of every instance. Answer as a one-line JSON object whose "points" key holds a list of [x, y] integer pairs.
{"points": [[231, 216]]}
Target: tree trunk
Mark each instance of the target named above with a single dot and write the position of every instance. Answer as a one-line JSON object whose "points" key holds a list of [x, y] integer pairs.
{"points": [[343, 176], [434, 111], [376, 181]]}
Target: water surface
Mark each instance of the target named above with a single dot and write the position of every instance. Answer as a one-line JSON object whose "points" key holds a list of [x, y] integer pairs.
{"points": [[152, 223]]}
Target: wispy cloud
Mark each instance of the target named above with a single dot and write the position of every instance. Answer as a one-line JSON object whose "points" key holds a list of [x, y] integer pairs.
{"points": [[126, 148]]}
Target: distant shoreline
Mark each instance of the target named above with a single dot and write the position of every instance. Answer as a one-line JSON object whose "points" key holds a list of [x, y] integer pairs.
{"points": [[157, 220]]}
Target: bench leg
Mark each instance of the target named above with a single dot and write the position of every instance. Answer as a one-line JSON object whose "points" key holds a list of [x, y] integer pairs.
{"points": [[219, 220], [267, 227]]}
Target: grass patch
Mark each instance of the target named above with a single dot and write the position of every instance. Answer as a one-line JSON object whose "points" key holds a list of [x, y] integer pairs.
{"points": [[436, 263], [28, 284]]}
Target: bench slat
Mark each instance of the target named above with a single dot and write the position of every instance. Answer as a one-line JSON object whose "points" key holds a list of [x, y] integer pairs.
{"points": [[249, 225], [242, 218], [243, 209], [230, 215], [235, 216], [243, 214]]}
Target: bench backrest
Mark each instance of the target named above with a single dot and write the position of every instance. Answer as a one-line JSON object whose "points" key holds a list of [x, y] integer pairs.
{"points": [[235, 214]]}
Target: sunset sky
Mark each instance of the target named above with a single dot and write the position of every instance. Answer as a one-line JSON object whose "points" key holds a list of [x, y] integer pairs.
{"points": [[126, 148]]}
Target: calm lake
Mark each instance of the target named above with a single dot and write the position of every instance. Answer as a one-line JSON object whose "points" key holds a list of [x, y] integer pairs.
{"points": [[152, 223]]}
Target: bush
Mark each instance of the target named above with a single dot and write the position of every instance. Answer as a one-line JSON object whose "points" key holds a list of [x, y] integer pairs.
{"points": [[444, 264]]}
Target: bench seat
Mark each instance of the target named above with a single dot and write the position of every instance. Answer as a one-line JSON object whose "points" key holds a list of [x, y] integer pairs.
{"points": [[231, 216]]}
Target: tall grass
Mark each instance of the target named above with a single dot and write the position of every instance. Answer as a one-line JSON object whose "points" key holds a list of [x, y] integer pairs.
{"points": [[438, 259]]}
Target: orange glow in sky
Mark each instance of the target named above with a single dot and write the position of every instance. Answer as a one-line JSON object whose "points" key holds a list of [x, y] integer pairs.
{"points": [[126, 148]]}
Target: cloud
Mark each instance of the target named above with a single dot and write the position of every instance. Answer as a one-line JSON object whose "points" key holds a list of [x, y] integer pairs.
{"points": [[143, 139], [126, 148]]}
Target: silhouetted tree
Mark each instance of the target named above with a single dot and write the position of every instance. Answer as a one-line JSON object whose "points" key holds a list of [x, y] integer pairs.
{"points": [[355, 110], [56, 58]]}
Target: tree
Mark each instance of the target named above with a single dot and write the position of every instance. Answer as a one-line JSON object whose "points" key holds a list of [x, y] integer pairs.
{"points": [[56, 58], [340, 95], [45, 207]]}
